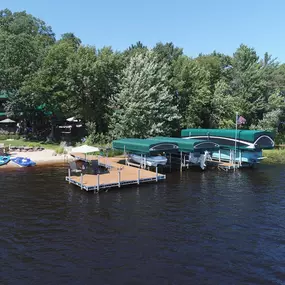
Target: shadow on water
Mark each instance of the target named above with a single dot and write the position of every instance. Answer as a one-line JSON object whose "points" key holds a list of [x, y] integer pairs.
{"points": [[197, 227]]}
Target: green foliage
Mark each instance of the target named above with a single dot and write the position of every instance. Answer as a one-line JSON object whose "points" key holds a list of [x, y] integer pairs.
{"points": [[140, 92], [274, 156], [60, 150], [144, 106], [4, 136], [192, 85]]}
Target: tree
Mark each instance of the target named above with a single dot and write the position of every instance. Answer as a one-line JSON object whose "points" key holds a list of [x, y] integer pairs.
{"points": [[23, 42], [274, 114], [192, 85], [224, 107], [92, 82], [144, 106], [72, 39]]}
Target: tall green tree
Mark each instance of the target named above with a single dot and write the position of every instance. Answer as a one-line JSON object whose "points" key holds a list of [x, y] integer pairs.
{"points": [[23, 42], [92, 82], [193, 93], [144, 106]]}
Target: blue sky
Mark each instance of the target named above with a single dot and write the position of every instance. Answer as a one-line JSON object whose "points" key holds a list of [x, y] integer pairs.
{"points": [[196, 26]]}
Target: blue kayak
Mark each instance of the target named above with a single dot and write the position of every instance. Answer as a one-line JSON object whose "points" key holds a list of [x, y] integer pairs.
{"points": [[23, 161], [4, 160]]}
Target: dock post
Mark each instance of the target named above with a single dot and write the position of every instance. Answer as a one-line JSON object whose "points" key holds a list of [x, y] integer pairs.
{"points": [[98, 182], [181, 166], [81, 181], [125, 155], [219, 155], [69, 175], [139, 172], [119, 178], [156, 172], [170, 162]]}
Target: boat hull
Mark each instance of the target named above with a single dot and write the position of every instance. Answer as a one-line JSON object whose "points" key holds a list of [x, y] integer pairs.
{"points": [[23, 161], [149, 160], [4, 160], [244, 156]]}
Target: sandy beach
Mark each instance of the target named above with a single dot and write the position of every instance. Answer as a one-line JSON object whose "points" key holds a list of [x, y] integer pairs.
{"points": [[41, 158]]}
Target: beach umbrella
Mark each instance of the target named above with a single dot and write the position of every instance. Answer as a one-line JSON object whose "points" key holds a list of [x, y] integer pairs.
{"points": [[85, 149], [7, 121]]}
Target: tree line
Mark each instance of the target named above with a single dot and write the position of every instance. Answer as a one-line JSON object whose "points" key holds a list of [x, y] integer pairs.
{"points": [[139, 92]]}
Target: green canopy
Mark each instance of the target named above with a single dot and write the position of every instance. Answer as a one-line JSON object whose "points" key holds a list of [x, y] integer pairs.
{"points": [[189, 145], [246, 135], [250, 139], [145, 146]]}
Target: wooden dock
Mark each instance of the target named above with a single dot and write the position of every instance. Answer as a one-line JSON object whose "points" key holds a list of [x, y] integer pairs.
{"points": [[222, 165], [118, 175]]}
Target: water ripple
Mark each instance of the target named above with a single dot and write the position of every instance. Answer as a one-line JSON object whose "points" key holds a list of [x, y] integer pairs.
{"points": [[196, 228]]}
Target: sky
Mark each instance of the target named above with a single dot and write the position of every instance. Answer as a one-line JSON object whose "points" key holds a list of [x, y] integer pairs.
{"points": [[197, 26]]}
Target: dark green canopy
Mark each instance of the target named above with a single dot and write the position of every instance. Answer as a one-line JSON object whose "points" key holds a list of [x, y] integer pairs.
{"points": [[189, 145], [145, 146]]}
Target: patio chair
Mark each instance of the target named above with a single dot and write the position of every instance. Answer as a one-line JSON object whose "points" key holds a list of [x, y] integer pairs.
{"points": [[73, 167]]}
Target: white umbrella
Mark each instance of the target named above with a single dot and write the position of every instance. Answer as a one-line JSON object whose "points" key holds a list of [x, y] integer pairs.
{"points": [[5, 121], [85, 149]]}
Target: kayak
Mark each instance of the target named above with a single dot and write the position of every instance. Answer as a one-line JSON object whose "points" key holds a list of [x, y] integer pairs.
{"points": [[4, 160], [23, 161]]}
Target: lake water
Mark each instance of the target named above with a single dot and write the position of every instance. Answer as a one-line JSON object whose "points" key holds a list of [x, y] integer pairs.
{"points": [[197, 227]]}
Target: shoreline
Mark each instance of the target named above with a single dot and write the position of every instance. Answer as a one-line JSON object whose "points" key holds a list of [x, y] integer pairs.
{"points": [[45, 157]]}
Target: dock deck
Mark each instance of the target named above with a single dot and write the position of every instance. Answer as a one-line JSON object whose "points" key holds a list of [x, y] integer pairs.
{"points": [[222, 165], [118, 175]]}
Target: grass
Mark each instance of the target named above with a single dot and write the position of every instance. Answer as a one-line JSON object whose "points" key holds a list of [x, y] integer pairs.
{"points": [[59, 149], [21, 142], [274, 156]]}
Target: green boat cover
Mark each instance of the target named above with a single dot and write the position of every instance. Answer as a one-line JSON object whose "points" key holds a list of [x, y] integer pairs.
{"points": [[189, 145], [245, 135], [144, 146]]}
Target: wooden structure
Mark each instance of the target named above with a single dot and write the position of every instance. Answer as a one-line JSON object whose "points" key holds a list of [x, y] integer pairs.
{"points": [[118, 175]]}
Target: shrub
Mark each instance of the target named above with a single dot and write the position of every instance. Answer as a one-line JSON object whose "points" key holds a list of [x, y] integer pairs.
{"points": [[60, 150]]}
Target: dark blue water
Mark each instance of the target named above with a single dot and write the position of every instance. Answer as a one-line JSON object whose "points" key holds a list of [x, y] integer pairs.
{"points": [[198, 227]]}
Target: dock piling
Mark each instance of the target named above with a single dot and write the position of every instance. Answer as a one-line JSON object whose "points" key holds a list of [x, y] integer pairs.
{"points": [[139, 172], [156, 174], [98, 182], [81, 181], [119, 178], [69, 175]]}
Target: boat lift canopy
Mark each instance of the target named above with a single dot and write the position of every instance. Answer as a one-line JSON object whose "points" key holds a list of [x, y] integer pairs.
{"points": [[145, 146], [249, 138], [190, 145]]}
